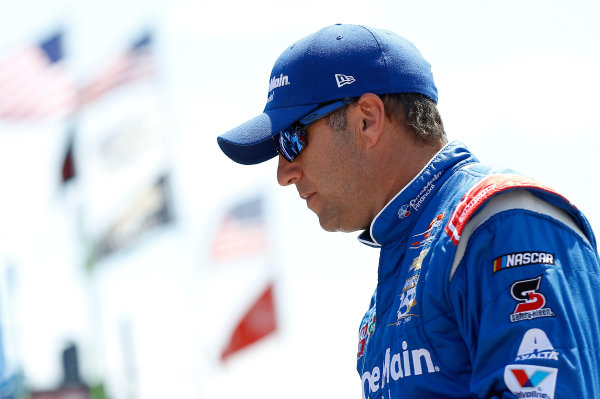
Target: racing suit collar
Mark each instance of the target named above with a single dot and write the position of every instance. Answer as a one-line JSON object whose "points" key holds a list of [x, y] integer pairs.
{"points": [[400, 214]]}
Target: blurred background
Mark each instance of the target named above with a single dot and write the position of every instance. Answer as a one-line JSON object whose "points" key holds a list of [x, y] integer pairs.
{"points": [[138, 262]]}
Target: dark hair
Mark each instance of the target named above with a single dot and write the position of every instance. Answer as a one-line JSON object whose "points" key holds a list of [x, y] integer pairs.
{"points": [[417, 112]]}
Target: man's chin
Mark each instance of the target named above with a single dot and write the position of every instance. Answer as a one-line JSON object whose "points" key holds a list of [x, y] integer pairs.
{"points": [[330, 226], [327, 225]]}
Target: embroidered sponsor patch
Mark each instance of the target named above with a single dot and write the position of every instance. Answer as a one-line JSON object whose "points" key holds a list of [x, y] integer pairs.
{"points": [[343, 80], [536, 345], [367, 328], [397, 365], [276, 82], [416, 202], [522, 259], [425, 238], [403, 211], [528, 381], [408, 297], [531, 302], [482, 192]]}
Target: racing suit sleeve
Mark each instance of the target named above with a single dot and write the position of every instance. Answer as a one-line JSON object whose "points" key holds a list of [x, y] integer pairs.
{"points": [[526, 297]]}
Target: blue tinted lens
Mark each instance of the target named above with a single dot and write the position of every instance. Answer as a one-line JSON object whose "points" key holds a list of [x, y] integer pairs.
{"points": [[291, 142]]}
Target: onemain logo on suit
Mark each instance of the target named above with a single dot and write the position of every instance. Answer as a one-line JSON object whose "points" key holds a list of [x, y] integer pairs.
{"points": [[527, 381]]}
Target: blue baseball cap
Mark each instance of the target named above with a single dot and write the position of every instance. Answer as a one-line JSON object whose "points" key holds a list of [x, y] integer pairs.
{"points": [[336, 62]]}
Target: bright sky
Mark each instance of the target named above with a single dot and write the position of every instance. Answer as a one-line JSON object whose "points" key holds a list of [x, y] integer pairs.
{"points": [[518, 83]]}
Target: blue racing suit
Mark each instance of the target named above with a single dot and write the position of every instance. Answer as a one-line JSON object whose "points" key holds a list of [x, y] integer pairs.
{"points": [[486, 289]]}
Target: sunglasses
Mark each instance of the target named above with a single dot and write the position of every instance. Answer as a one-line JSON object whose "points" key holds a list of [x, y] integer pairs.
{"points": [[290, 141]]}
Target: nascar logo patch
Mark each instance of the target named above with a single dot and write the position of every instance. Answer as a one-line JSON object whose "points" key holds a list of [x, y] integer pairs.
{"points": [[522, 259]]}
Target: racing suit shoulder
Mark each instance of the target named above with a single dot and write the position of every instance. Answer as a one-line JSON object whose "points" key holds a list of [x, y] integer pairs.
{"points": [[522, 282]]}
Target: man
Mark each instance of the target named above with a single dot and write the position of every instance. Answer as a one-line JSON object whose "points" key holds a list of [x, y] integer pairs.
{"points": [[486, 278]]}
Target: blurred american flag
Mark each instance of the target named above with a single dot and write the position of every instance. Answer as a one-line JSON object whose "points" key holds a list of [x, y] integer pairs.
{"points": [[241, 233], [135, 63], [34, 84]]}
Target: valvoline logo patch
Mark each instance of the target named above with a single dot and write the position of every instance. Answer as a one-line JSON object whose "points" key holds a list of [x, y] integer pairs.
{"points": [[482, 192], [528, 381], [532, 381]]}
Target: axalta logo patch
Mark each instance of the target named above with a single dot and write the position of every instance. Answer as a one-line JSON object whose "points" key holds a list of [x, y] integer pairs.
{"points": [[530, 300], [522, 259], [527, 381], [536, 345], [399, 365]]}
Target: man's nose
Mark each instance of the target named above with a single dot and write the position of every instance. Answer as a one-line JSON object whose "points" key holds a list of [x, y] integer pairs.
{"points": [[288, 172]]}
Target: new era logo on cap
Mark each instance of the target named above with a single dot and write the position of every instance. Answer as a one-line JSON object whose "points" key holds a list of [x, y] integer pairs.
{"points": [[342, 80]]}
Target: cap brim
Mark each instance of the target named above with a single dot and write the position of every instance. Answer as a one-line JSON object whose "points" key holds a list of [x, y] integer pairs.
{"points": [[250, 143]]}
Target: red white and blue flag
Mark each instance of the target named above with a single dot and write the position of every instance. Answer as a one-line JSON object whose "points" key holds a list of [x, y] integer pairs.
{"points": [[133, 64], [34, 84], [241, 233]]}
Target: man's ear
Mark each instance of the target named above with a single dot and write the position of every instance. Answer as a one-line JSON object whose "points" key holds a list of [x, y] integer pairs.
{"points": [[370, 118]]}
